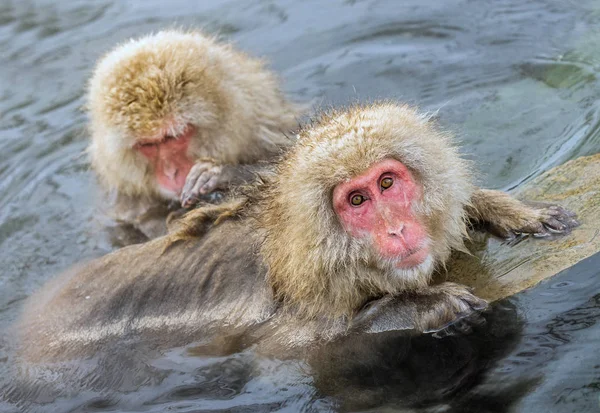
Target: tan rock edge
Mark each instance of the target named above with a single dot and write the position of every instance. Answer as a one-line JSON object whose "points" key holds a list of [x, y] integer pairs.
{"points": [[497, 269]]}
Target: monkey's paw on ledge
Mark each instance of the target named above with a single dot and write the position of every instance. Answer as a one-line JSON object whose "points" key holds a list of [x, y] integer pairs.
{"points": [[497, 269]]}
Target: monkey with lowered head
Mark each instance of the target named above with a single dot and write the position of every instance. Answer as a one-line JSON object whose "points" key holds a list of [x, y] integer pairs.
{"points": [[174, 117], [341, 236]]}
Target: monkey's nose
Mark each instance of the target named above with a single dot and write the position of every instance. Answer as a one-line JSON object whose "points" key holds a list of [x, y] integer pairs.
{"points": [[171, 173], [396, 231]]}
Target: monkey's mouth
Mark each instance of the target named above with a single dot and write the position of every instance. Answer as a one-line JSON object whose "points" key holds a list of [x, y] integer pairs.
{"points": [[413, 257]]}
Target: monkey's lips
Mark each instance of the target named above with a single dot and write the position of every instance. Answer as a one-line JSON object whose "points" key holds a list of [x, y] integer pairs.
{"points": [[413, 257]]}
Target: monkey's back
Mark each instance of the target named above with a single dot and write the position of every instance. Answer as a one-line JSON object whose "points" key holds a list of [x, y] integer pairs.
{"points": [[162, 297]]}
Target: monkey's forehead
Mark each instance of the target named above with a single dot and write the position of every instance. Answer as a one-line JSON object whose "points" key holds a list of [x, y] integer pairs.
{"points": [[156, 66], [162, 48], [361, 135], [151, 86]]}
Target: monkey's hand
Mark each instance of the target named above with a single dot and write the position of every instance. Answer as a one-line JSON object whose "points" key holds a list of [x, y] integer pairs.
{"points": [[545, 220], [534, 218], [206, 177], [203, 178], [440, 309], [509, 218]]}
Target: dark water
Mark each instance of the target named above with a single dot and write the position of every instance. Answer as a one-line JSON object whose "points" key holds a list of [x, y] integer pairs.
{"points": [[518, 80]]}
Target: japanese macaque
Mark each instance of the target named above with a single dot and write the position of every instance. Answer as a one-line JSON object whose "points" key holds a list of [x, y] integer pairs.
{"points": [[340, 237], [176, 116]]}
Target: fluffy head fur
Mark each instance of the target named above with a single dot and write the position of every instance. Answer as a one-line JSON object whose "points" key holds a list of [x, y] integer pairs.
{"points": [[312, 263], [158, 84]]}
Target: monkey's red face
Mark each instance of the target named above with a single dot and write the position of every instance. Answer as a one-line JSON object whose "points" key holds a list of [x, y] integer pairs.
{"points": [[378, 205], [169, 156]]}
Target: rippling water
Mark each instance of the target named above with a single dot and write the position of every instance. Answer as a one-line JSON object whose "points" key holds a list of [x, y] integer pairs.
{"points": [[517, 80]]}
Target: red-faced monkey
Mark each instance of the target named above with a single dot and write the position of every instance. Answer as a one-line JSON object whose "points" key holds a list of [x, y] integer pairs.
{"points": [[361, 210], [177, 115]]}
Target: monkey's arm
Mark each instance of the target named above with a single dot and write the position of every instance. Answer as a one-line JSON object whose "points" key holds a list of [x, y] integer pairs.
{"points": [[506, 217], [207, 176], [432, 309]]}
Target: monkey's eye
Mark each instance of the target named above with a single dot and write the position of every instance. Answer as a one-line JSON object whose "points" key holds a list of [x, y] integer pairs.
{"points": [[357, 199], [169, 137], [386, 183], [145, 144]]}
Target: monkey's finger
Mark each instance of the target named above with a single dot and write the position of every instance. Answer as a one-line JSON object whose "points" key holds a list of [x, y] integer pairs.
{"points": [[197, 170], [443, 333], [189, 201], [554, 226], [186, 191], [572, 222], [456, 327], [476, 303], [533, 228], [205, 183], [567, 220], [462, 326], [210, 185], [476, 319], [558, 210], [203, 180], [465, 325], [189, 198]]}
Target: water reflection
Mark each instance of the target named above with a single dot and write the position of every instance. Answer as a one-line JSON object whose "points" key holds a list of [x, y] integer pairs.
{"points": [[389, 369]]}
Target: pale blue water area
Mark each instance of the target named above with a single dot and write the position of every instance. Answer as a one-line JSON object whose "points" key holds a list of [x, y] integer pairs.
{"points": [[516, 80]]}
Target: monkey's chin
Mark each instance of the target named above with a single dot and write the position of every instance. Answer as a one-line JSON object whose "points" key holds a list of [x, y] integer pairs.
{"points": [[413, 259], [168, 193], [416, 276]]}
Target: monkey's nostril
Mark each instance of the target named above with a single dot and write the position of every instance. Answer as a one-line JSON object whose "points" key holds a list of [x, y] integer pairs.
{"points": [[397, 231], [172, 173]]}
